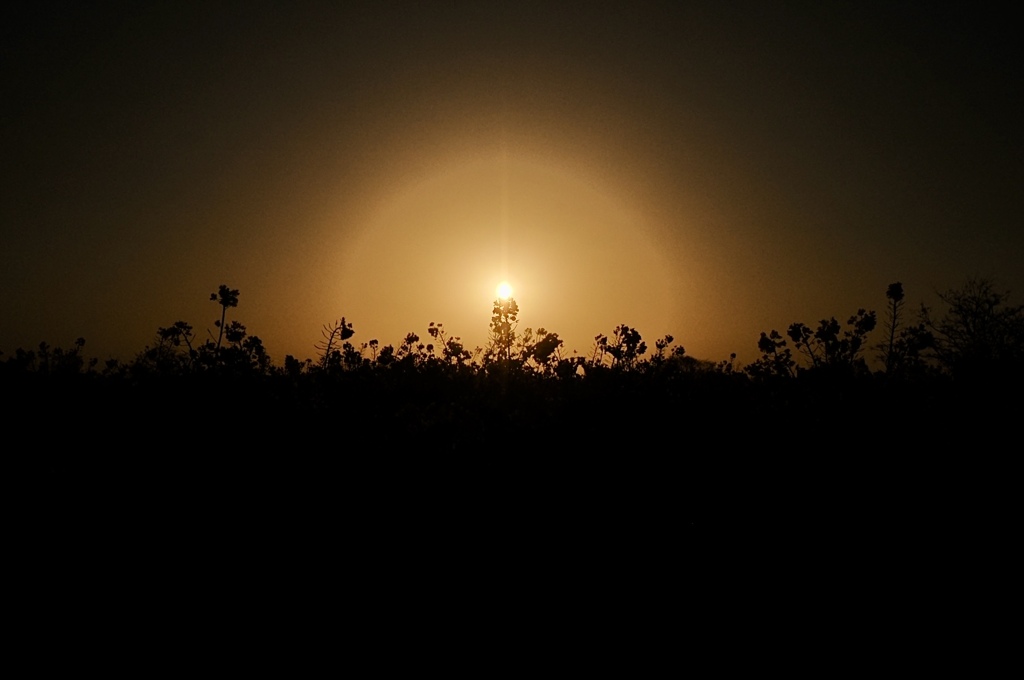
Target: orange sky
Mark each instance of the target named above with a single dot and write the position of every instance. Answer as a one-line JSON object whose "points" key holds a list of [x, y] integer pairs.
{"points": [[681, 168]]}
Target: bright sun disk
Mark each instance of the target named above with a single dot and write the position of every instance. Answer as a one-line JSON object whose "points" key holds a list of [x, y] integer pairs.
{"points": [[504, 290]]}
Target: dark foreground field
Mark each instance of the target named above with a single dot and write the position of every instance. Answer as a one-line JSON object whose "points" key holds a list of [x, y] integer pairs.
{"points": [[663, 458]]}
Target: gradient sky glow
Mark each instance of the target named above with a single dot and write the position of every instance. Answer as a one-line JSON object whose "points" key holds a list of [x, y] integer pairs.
{"points": [[709, 170]]}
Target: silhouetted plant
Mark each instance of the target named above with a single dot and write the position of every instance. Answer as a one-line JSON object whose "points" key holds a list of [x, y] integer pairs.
{"points": [[668, 358], [166, 356], [909, 356], [174, 335], [727, 366], [659, 349], [622, 351], [979, 333], [452, 350], [569, 367], [351, 357], [50, 360], [546, 352], [175, 352], [387, 356], [372, 346], [903, 351], [894, 315], [254, 354], [225, 297], [626, 347], [776, 359], [332, 345], [599, 351], [235, 333], [410, 355], [294, 367], [826, 347], [113, 368], [524, 384], [504, 320]]}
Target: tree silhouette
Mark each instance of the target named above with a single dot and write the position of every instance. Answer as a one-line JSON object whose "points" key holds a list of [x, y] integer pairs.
{"points": [[979, 334]]}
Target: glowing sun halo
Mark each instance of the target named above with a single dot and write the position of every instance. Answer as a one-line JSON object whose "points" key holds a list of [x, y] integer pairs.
{"points": [[504, 290]]}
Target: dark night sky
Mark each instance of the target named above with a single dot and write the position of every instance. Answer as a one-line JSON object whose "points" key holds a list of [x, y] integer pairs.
{"points": [[709, 170]]}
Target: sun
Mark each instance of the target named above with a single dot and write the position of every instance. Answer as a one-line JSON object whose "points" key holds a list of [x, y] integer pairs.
{"points": [[504, 290]]}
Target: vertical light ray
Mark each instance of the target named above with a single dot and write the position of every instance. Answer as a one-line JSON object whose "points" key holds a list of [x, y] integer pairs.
{"points": [[504, 207]]}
